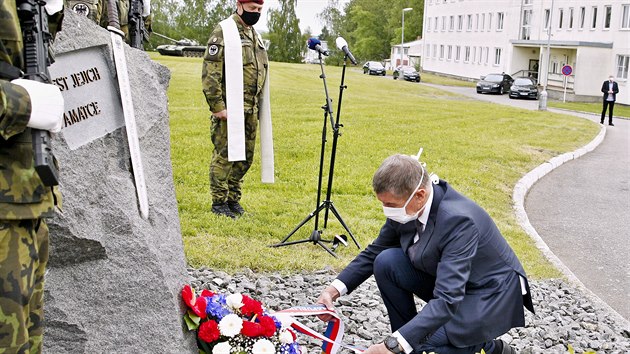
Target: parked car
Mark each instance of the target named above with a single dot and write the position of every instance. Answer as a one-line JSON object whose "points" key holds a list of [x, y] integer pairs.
{"points": [[495, 83], [374, 68], [524, 87], [409, 73]]}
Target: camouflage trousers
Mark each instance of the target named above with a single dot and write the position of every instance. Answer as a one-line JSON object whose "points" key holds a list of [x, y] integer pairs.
{"points": [[23, 258], [226, 178]]}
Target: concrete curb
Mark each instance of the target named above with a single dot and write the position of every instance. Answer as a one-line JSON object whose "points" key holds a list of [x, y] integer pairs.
{"points": [[520, 191]]}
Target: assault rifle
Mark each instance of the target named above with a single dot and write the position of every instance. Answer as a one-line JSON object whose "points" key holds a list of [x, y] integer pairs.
{"points": [[137, 32], [37, 58]]}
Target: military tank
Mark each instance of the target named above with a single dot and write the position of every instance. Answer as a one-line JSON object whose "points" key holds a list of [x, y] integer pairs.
{"points": [[181, 48]]}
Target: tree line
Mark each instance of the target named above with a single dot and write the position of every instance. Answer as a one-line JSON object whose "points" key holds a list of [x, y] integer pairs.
{"points": [[370, 27]]}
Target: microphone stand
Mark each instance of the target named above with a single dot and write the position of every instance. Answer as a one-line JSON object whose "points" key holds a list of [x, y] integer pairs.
{"points": [[327, 204]]}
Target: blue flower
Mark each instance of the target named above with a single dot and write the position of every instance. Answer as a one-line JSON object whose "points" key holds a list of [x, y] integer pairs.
{"points": [[216, 307], [277, 322]]}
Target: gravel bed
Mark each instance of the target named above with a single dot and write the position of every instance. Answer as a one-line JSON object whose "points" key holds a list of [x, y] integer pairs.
{"points": [[564, 315]]}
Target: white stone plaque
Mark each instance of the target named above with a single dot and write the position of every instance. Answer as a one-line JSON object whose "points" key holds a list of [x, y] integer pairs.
{"points": [[92, 103]]}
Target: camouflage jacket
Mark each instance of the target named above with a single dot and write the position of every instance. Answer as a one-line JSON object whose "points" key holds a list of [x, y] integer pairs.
{"points": [[255, 64], [22, 194]]}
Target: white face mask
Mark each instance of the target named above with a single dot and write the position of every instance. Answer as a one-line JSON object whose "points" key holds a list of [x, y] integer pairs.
{"points": [[400, 214]]}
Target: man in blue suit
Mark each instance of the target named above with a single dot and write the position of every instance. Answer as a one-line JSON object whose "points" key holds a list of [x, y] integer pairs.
{"points": [[442, 247]]}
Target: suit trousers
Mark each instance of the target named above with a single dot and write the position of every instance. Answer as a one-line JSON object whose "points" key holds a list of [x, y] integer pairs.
{"points": [[610, 105], [398, 281]]}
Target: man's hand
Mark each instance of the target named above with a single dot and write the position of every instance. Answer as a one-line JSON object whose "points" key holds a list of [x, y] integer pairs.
{"points": [[326, 298], [379, 348], [222, 115]]}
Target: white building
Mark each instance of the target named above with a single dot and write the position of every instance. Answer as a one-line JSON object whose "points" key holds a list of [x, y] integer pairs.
{"points": [[412, 55], [471, 38]]}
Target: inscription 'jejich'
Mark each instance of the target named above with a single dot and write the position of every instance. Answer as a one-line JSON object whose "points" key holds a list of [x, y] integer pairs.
{"points": [[78, 79]]}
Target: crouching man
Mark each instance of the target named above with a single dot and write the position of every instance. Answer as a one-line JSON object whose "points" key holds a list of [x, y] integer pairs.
{"points": [[442, 247]]}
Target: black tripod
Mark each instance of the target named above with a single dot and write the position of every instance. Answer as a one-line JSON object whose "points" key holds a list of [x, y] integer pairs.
{"points": [[327, 204]]}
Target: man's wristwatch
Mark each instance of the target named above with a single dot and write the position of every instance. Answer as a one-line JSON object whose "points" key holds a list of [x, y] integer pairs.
{"points": [[391, 343]]}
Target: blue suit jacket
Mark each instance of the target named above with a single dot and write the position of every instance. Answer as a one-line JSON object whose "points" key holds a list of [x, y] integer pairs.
{"points": [[477, 294]]}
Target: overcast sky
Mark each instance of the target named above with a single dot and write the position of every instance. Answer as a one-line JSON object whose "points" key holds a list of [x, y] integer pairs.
{"points": [[306, 11]]}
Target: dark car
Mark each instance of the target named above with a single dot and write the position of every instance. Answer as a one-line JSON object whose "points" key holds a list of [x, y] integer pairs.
{"points": [[408, 73], [374, 68], [495, 83], [524, 87]]}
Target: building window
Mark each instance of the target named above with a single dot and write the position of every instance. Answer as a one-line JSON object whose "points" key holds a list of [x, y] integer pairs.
{"points": [[449, 52], [474, 54], [594, 23], [554, 67], [560, 18], [622, 66], [483, 22], [460, 22], [497, 56], [625, 16], [435, 51], [435, 25], [489, 21], [457, 53], [443, 23], [441, 51], [476, 22], [582, 16], [451, 23], [607, 15], [480, 55], [500, 16], [547, 17], [428, 51], [487, 54], [527, 24], [469, 22], [429, 24], [570, 18], [466, 54]]}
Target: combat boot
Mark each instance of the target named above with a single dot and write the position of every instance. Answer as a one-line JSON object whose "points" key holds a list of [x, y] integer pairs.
{"points": [[236, 208], [222, 209]]}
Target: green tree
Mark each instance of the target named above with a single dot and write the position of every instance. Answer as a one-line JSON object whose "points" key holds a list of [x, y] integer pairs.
{"points": [[284, 33]]}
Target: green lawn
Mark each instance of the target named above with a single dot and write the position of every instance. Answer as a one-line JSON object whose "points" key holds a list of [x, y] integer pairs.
{"points": [[619, 110], [446, 81], [481, 149]]}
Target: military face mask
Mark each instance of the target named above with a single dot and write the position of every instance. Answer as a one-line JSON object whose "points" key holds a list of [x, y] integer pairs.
{"points": [[250, 18]]}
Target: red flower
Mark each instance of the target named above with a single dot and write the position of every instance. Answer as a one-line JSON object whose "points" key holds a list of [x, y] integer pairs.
{"points": [[197, 304], [251, 329], [268, 326], [207, 293], [209, 331], [251, 307]]}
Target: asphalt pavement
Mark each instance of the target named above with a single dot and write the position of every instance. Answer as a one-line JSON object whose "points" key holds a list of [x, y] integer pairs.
{"points": [[581, 208]]}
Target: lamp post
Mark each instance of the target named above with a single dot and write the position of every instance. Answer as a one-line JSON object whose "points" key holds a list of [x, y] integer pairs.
{"points": [[542, 101], [402, 36]]}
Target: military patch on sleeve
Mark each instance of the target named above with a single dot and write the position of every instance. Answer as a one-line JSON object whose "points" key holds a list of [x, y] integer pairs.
{"points": [[213, 50], [81, 9]]}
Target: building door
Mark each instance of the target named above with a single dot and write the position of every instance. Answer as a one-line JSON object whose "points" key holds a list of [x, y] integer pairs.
{"points": [[533, 69]]}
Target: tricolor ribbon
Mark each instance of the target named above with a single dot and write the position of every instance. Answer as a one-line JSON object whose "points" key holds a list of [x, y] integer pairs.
{"points": [[331, 339]]}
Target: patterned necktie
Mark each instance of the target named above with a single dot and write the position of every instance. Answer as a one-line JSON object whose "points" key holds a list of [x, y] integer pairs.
{"points": [[413, 249]]}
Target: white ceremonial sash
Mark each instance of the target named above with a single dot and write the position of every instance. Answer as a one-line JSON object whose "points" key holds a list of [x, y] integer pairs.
{"points": [[234, 90], [331, 339], [266, 133]]}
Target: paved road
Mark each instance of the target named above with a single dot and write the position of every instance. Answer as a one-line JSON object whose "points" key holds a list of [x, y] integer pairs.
{"points": [[582, 209]]}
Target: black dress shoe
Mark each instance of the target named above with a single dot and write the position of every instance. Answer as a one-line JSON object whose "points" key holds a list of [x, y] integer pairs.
{"points": [[611, 124], [236, 208], [501, 347], [222, 209], [601, 122]]}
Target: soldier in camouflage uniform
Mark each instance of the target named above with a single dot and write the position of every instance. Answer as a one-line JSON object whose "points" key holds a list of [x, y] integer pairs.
{"points": [[226, 177], [24, 200]]}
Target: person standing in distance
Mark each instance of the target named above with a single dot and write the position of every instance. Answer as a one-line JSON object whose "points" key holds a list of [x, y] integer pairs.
{"points": [[442, 247], [24, 200], [226, 176], [610, 89]]}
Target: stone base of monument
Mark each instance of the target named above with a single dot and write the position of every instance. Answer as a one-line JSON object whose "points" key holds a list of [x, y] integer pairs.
{"points": [[114, 278]]}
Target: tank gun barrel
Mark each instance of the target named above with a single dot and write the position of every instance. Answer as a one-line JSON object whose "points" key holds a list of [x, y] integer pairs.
{"points": [[165, 37]]}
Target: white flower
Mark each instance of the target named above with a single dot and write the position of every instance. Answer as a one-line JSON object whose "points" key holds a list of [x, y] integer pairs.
{"points": [[285, 337], [230, 325], [285, 319], [263, 346], [222, 348], [234, 301]]}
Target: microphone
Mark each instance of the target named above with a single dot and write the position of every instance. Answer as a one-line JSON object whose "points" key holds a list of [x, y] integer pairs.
{"points": [[343, 45], [316, 45]]}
